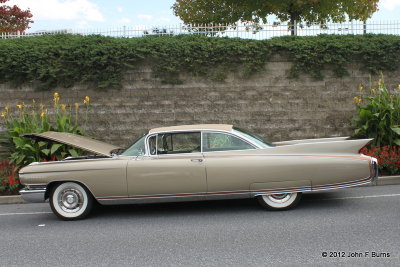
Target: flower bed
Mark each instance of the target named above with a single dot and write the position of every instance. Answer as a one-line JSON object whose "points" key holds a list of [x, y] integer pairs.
{"points": [[9, 182], [388, 158]]}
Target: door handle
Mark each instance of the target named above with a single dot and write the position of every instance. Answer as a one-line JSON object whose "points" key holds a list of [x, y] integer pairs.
{"points": [[196, 160]]}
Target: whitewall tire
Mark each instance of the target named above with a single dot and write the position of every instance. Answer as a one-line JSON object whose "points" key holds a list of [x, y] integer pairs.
{"points": [[70, 201], [279, 201]]}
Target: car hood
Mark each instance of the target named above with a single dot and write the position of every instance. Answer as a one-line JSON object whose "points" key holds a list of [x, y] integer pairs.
{"points": [[85, 143]]}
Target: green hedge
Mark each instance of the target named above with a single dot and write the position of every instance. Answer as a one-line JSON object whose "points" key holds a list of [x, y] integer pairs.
{"points": [[64, 60]]}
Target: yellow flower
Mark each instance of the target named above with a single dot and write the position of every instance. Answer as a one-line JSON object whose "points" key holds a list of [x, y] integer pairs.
{"points": [[42, 114], [63, 106], [76, 106], [86, 100], [360, 87], [20, 106], [373, 90], [357, 100], [56, 98], [45, 111], [3, 114], [398, 87], [6, 108]]}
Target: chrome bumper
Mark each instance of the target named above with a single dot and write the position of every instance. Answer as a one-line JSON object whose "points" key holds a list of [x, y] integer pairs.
{"points": [[374, 170], [33, 194]]}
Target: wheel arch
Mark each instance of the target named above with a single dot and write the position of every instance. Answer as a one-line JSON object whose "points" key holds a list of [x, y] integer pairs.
{"points": [[50, 185]]}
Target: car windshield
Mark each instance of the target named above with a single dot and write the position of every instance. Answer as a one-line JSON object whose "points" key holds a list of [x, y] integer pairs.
{"points": [[256, 139], [137, 149]]}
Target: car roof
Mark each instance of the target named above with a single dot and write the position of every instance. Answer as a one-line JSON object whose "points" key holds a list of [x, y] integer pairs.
{"points": [[194, 127]]}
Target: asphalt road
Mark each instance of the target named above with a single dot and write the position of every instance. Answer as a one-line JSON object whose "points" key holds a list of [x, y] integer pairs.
{"points": [[350, 226]]}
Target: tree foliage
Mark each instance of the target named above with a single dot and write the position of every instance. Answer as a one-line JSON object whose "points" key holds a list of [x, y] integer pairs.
{"points": [[13, 19], [256, 11]]}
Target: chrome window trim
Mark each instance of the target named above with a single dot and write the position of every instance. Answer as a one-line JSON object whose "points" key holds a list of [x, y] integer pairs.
{"points": [[147, 145], [230, 134]]}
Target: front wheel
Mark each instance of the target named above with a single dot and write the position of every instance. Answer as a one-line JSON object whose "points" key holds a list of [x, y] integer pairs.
{"points": [[279, 201], [70, 201]]}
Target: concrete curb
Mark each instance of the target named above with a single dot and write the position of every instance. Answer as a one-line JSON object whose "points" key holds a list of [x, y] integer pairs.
{"points": [[382, 180], [388, 180], [16, 199]]}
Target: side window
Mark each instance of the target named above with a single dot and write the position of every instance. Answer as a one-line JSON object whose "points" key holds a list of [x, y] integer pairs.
{"points": [[173, 143], [223, 142], [152, 145]]}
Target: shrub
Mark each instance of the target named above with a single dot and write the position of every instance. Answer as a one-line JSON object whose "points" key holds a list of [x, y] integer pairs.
{"points": [[37, 119], [64, 60], [378, 115]]}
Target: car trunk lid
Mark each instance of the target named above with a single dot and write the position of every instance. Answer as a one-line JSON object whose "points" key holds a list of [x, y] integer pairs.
{"points": [[85, 143]]}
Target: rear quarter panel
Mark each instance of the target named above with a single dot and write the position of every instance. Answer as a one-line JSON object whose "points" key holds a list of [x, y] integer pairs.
{"points": [[263, 169]]}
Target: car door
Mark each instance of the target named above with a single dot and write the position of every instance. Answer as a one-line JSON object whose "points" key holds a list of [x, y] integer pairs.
{"points": [[226, 163], [173, 167]]}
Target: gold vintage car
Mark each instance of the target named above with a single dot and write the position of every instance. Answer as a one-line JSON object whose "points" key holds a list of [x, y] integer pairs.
{"points": [[194, 162]]}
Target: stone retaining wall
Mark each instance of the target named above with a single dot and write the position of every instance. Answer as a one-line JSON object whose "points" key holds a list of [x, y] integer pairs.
{"points": [[269, 103]]}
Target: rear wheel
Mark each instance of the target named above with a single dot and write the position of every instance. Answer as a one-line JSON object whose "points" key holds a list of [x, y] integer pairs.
{"points": [[70, 201], [279, 201]]}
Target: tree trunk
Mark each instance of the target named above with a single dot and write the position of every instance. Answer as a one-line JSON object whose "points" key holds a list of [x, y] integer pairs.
{"points": [[293, 26]]}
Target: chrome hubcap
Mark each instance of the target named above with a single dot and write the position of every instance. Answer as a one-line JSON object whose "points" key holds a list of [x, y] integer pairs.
{"points": [[70, 200], [279, 198]]}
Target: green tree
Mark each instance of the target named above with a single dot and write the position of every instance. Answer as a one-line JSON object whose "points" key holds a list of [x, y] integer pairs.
{"points": [[255, 11]]}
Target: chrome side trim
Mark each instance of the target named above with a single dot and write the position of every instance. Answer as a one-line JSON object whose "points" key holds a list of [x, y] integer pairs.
{"points": [[163, 199], [280, 191], [149, 200], [339, 186], [33, 195], [314, 188]]}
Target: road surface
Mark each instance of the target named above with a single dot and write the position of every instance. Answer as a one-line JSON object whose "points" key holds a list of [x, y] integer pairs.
{"points": [[357, 226]]}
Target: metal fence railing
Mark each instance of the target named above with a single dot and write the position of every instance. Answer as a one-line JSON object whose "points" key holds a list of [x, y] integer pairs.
{"points": [[262, 31]]}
